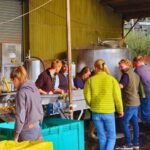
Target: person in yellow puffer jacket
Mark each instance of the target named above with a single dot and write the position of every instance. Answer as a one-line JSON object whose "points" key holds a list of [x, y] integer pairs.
{"points": [[103, 95]]}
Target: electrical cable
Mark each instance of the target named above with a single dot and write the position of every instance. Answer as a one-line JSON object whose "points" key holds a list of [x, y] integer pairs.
{"points": [[29, 12]]}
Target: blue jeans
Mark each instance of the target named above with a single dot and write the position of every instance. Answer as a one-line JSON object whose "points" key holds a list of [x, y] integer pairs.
{"points": [[145, 110], [130, 115], [106, 130]]}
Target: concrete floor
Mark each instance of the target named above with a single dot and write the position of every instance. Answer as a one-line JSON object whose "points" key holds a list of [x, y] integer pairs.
{"points": [[92, 144]]}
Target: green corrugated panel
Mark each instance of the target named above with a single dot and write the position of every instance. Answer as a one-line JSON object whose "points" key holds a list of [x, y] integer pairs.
{"points": [[89, 20]]}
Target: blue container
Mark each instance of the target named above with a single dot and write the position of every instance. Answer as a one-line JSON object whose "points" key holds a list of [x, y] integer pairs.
{"points": [[65, 134]]}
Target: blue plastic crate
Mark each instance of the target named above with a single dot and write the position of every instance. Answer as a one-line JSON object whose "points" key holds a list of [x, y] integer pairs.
{"points": [[65, 134]]}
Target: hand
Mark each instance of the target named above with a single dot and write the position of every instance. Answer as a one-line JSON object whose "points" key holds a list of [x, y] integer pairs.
{"points": [[121, 114], [74, 88], [40, 138], [50, 93], [42, 92], [62, 91], [16, 139], [121, 86], [59, 91]]}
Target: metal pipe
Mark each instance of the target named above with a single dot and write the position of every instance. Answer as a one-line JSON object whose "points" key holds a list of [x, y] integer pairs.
{"points": [[131, 28], [69, 57]]}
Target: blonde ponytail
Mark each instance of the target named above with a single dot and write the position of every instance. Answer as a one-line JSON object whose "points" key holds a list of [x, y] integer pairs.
{"points": [[101, 66]]}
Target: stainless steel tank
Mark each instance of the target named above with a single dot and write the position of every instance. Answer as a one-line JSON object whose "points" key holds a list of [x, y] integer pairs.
{"points": [[87, 57], [34, 67]]}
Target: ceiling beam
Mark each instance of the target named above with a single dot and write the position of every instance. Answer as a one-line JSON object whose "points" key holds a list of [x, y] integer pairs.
{"points": [[132, 8], [140, 14], [112, 1]]}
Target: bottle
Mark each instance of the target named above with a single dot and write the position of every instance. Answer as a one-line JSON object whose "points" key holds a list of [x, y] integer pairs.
{"points": [[7, 85], [73, 65]]}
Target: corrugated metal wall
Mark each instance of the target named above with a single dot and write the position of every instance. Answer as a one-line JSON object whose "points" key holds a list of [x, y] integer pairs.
{"points": [[12, 31], [89, 20]]}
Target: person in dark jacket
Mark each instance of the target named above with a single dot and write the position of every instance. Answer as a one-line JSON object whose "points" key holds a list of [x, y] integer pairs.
{"points": [[29, 111], [62, 82], [63, 76], [47, 79]]}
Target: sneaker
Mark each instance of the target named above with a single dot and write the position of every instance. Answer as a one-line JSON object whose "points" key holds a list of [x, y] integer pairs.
{"points": [[125, 147], [135, 147]]}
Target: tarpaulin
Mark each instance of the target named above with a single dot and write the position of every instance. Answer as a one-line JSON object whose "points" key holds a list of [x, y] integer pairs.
{"points": [[26, 145]]}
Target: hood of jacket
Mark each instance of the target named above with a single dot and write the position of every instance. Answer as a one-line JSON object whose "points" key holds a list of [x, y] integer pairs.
{"points": [[28, 85]]}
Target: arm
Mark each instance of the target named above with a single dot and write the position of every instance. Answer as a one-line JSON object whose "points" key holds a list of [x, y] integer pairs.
{"points": [[20, 114], [40, 83], [87, 92], [124, 81], [117, 97], [43, 92], [78, 83]]}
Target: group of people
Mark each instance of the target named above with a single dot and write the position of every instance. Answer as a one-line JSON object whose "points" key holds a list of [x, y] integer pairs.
{"points": [[29, 110], [55, 79], [103, 93], [105, 96]]}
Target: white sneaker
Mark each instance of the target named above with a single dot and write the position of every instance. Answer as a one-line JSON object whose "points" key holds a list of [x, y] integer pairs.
{"points": [[124, 147]]}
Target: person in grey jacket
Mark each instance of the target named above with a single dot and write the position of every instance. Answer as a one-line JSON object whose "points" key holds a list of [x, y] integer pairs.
{"points": [[29, 111]]}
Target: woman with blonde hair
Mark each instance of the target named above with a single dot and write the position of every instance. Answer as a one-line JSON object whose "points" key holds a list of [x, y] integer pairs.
{"points": [[29, 111], [46, 80], [130, 83], [103, 95]]}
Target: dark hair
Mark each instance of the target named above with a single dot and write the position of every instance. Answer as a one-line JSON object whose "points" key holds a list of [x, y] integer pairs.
{"points": [[64, 62], [83, 71]]}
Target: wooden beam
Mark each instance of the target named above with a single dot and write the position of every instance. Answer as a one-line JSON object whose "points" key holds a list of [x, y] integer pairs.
{"points": [[112, 1], [133, 8], [140, 14]]}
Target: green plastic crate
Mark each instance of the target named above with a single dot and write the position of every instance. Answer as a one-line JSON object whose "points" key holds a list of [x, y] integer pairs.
{"points": [[65, 134], [7, 131]]}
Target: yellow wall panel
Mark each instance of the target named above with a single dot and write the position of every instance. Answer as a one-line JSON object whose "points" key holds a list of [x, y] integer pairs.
{"points": [[89, 20]]}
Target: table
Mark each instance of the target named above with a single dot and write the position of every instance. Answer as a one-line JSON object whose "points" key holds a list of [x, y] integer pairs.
{"points": [[79, 103]]}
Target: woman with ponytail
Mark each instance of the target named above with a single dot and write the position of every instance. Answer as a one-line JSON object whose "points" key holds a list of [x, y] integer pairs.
{"points": [[103, 95], [29, 111]]}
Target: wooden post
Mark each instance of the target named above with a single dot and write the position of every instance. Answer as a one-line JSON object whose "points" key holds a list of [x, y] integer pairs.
{"points": [[69, 57]]}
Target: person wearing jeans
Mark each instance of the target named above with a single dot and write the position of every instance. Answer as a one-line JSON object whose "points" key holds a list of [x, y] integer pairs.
{"points": [[101, 122], [131, 114], [103, 95], [143, 70], [130, 83]]}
